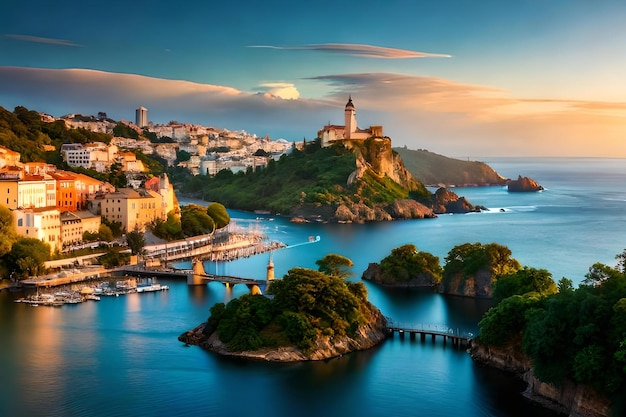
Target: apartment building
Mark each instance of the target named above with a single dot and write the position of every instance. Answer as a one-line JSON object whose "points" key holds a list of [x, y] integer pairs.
{"points": [[134, 209]]}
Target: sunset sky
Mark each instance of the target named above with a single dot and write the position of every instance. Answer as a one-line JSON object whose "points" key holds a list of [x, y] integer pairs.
{"points": [[460, 78]]}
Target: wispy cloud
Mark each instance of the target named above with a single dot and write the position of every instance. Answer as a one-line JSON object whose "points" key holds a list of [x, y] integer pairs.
{"points": [[38, 39], [360, 50]]}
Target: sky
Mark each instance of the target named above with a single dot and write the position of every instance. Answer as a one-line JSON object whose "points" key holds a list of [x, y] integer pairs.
{"points": [[459, 78]]}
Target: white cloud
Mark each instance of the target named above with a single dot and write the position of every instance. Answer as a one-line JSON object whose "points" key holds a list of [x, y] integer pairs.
{"points": [[285, 91]]}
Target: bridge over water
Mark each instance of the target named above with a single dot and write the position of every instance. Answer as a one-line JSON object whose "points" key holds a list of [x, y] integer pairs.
{"points": [[458, 337]]}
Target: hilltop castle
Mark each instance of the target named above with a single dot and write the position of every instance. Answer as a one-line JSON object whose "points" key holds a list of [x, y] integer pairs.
{"points": [[331, 134]]}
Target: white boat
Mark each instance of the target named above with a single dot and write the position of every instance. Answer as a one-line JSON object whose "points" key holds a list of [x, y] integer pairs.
{"points": [[152, 287]]}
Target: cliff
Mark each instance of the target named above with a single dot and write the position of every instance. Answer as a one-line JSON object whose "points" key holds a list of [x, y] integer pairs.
{"points": [[569, 398], [524, 184], [446, 201], [366, 337], [478, 284], [441, 171]]}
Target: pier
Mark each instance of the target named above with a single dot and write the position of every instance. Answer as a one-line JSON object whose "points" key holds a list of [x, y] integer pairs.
{"points": [[457, 337]]}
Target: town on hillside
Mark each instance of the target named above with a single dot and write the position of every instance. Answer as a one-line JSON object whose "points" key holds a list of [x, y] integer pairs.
{"points": [[60, 205], [57, 206]]}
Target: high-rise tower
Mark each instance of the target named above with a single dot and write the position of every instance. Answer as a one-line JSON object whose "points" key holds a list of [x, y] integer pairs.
{"points": [[141, 117]]}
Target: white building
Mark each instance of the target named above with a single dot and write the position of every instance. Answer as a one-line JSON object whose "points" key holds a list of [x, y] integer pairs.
{"points": [[330, 134], [40, 223], [141, 117]]}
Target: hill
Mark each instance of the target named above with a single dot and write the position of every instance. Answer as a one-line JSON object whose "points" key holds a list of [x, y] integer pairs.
{"points": [[366, 182], [437, 170]]}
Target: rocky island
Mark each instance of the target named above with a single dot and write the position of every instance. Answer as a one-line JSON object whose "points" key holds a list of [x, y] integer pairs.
{"points": [[523, 184], [309, 315], [470, 269]]}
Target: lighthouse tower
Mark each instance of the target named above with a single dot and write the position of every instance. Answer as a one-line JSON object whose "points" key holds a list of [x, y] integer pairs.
{"points": [[350, 117], [270, 272]]}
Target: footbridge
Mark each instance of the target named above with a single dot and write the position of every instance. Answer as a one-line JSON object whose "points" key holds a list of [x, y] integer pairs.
{"points": [[458, 337], [198, 276]]}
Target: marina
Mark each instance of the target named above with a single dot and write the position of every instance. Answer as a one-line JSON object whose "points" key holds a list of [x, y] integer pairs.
{"points": [[90, 293]]}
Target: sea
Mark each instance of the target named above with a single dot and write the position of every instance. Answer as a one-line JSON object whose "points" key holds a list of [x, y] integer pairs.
{"points": [[120, 356]]}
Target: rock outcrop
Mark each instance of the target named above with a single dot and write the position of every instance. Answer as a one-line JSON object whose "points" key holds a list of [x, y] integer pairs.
{"points": [[446, 201], [366, 337], [523, 184], [569, 398], [359, 212], [478, 285]]}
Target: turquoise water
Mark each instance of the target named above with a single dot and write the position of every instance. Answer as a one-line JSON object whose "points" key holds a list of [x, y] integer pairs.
{"points": [[120, 356]]}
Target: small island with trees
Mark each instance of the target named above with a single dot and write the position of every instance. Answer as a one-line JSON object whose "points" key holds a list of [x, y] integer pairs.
{"points": [[307, 315]]}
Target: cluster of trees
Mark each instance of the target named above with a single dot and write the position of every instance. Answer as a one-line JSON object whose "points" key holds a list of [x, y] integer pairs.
{"points": [[569, 333], [406, 263], [306, 304], [20, 257], [463, 262], [193, 220]]}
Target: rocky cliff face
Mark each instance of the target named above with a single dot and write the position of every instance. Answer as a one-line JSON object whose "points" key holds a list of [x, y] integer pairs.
{"points": [[446, 201], [366, 337], [570, 398], [478, 285], [377, 155]]}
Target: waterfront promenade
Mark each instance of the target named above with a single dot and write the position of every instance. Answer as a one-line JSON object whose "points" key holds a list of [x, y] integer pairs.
{"points": [[226, 247]]}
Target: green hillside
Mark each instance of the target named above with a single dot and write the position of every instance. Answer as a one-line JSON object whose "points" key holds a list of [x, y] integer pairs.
{"points": [[316, 177], [433, 169]]}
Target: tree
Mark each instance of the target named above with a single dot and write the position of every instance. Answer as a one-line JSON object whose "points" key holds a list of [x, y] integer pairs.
{"points": [[105, 233], [125, 131], [27, 257], [335, 265], [8, 234], [524, 281], [136, 242], [621, 262], [219, 215], [182, 156], [469, 258], [406, 263], [599, 273], [195, 220], [168, 230]]}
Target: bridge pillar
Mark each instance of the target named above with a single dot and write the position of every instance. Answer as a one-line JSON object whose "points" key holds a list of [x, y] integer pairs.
{"points": [[254, 289], [422, 337], [196, 278], [433, 337]]}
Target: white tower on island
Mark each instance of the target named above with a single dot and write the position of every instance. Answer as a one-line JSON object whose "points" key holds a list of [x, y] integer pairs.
{"points": [[350, 117]]}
